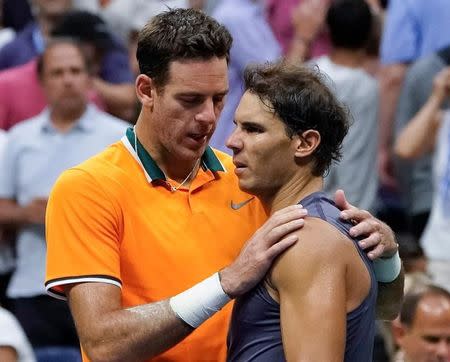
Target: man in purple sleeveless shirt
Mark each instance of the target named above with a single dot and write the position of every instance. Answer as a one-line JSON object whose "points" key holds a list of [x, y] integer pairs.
{"points": [[318, 301]]}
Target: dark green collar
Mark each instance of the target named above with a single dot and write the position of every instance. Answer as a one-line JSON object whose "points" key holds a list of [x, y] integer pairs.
{"points": [[209, 159]]}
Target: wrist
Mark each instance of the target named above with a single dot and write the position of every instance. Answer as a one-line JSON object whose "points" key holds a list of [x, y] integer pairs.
{"points": [[197, 304], [387, 269], [227, 283]]}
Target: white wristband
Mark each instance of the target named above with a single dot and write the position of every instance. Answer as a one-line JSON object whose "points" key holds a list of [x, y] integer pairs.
{"points": [[200, 302], [387, 270]]}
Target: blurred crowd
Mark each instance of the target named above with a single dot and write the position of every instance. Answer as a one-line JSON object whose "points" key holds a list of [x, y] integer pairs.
{"points": [[67, 70]]}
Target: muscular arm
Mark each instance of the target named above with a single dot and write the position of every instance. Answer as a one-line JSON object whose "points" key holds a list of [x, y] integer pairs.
{"points": [[380, 240], [390, 298], [310, 280], [109, 333]]}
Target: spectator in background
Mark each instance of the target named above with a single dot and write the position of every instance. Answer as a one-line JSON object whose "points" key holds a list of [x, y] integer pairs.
{"points": [[415, 176], [14, 346], [253, 42], [350, 23], [112, 77], [63, 135], [6, 34], [30, 42], [423, 330], [429, 129], [22, 96], [17, 13], [119, 15], [283, 18], [413, 29]]}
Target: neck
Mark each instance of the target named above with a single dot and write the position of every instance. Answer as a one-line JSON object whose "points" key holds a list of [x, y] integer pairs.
{"points": [[348, 58], [292, 192], [173, 167], [64, 120]]}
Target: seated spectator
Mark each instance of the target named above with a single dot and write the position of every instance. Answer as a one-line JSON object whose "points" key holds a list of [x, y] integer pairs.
{"points": [[66, 133], [30, 42], [423, 330], [430, 129], [22, 96], [350, 24], [112, 78], [14, 346]]}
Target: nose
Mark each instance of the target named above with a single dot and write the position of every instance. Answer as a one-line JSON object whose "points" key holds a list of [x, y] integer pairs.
{"points": [[443, 349], [207, 113], [67, 78], [234, 142]]}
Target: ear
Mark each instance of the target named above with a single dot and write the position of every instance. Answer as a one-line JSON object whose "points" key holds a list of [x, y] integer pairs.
{"points": [[145, 90], [398, 331], [306, 143]]}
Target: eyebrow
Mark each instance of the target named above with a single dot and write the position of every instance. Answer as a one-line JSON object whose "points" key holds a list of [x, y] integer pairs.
{"points": [[197, 94]]}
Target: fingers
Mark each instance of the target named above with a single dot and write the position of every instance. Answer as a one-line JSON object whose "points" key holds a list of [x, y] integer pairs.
{"points": [[276, 234], [371, 241], [281, 246], [284, 216], [376, 252], [357, 215], [341, 201]]}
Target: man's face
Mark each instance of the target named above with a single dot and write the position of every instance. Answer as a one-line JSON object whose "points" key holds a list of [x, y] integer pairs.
{"points": [[263, 153], [428, 339], [52, 8], [65, 78], [184, 112]]}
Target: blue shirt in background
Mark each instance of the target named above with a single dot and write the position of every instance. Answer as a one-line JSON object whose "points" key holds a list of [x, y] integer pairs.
{"points": [[253, 42], [414, 28], [36, 154]]}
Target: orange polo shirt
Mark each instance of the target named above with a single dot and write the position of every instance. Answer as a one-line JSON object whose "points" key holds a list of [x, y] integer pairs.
{"points": [[113, 219]]}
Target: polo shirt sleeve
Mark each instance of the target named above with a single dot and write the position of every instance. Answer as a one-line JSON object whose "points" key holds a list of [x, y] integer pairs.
{"points": [[83, 234], [401, 34]]}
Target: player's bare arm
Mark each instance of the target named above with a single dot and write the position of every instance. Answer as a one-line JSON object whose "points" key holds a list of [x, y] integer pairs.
{"points": [[108, 332], [379, 240], [315, 295]]}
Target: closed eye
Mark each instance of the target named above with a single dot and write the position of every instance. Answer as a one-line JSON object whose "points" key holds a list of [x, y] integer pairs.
{"points": [[250, 127]]}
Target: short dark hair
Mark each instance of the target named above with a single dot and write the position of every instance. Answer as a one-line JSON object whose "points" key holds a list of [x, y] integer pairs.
{"points": [[412, 300], [179, 34], [53, 42], [350, 23], [299, 97], [87, 28]]}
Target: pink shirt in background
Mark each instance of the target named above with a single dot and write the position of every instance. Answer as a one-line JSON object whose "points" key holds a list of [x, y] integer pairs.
{"points": [[279, 17], [21, 95]]}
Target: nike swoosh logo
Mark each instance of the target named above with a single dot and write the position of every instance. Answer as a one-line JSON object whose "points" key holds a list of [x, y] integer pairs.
{"points": [[237, 206]]}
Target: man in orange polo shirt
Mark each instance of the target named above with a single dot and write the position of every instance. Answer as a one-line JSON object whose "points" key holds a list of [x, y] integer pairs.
{"points": [[130, 230]]}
